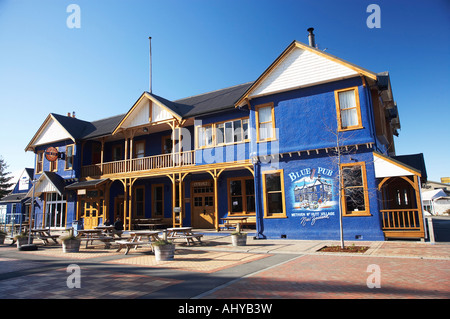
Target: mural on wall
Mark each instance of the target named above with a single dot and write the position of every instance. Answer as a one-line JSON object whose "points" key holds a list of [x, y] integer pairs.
{"points": [[313, 193]]}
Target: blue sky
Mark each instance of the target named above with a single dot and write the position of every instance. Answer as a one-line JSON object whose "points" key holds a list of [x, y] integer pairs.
{"points": [[101, 68]]}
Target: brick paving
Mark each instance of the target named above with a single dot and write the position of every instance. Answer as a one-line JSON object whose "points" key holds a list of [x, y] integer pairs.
{"points": [[330, 276], [196, 261], [95, 284], [408, 270]]}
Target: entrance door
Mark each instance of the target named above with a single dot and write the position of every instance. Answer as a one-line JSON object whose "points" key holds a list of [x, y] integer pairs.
{"points": [[203, 204], [90, 214]]}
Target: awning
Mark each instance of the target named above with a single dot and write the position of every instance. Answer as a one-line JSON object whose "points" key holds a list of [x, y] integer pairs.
{"points": [[389, 167], [87, 184], [48, 182]]}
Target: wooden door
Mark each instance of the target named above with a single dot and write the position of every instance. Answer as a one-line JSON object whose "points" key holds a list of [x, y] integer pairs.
{"points": [[203, 205]]}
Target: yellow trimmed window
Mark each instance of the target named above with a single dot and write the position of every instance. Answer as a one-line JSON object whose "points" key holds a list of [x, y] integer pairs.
{"points": [[273, 190], [265, 122], [354, 193], [348, 109]]}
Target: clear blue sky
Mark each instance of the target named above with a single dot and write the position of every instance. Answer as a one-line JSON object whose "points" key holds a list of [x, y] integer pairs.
{"points": [[100, 69]]}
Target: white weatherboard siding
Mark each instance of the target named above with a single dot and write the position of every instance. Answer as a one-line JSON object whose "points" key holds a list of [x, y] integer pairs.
{"points": [[159, 113], [52, 132], [301, 68], [384, 168], [139, 116]]}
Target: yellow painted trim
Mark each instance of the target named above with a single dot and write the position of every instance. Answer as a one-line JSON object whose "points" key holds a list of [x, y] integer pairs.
{"points": [[338, 109], [152, 100], [260, 106], [73, 157], [365, 212], [244, 195], [264, 173], [41, 128]]}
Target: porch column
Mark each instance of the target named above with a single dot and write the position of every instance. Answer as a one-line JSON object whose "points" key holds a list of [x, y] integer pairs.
{"points": [[419, 202], [215, 175], [102, 155]]}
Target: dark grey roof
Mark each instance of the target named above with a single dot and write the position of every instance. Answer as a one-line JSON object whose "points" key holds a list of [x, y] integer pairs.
{"points": [[13, 198], [104, 126], [87, 184], [212, 102], [415, 161], [202, 104]]}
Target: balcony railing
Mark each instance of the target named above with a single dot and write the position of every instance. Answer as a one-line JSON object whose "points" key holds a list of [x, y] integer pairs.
{"points": [[140, 164], [401, 219]]}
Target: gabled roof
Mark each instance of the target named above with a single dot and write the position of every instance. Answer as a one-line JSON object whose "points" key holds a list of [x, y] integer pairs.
{"points": [[287, 52], [49, 182], [67, 127]]}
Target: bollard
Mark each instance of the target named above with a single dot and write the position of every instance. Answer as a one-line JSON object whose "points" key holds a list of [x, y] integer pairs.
{"points": [[431, 230]]}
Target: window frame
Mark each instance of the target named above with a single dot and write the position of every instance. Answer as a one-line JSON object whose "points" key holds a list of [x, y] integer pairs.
{"points": [[135, 201], [357, 107], [257, 123], [154, 201], [366, 211], [39, 162], [243, 195], [135, 148], [53, 166], [282, 191], [214, 136], [66, 168]]}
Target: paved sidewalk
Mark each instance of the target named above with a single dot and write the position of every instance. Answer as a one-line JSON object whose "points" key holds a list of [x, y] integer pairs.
{"points": [[261, 269]]}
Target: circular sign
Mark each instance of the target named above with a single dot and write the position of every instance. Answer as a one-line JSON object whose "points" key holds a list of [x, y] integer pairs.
{"points": [[51, 154]]}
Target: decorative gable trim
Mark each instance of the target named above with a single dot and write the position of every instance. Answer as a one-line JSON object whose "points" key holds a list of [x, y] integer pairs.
{"points": [[147, 109], [299, 66], [50, 131]]}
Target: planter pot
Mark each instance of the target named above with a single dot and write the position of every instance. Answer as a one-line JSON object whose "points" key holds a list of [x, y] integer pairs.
{"points": [[23, 241], [239, 240], [164, 252], [71, 246]]}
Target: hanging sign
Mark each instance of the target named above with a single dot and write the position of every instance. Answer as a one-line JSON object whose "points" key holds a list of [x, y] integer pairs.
{"points": [[51, 154]]}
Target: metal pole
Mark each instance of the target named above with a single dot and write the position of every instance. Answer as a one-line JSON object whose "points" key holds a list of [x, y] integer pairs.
{"points": [[150, 68], [32, 212]]}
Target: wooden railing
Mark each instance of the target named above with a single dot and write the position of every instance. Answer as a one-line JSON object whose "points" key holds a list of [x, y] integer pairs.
{"points": [[140, 164], [401, 219]]}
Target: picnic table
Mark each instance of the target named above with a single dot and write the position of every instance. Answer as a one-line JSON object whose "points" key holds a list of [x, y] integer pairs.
{"points": [[44, 235], [230, 221], [109, 230], [89, 235], [136, 239], [184, 233]]}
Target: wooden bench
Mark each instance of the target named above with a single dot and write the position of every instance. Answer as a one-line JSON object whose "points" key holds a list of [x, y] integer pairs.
{"points": [[189, 238], [251, 221], [128, 244]]}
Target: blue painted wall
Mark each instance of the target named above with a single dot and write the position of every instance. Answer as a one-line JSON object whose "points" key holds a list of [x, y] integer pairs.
{"points": [[316, 222]]}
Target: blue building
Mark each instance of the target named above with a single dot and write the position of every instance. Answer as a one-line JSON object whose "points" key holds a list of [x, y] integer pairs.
{"points": [[15, 207], [309, 140]]}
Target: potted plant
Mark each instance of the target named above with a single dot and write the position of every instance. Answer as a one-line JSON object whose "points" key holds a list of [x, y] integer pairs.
{"points": [[2, 236], [22, 239], [238, 239], [164, 250], [70, 243]]}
